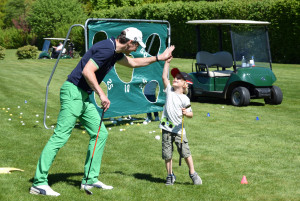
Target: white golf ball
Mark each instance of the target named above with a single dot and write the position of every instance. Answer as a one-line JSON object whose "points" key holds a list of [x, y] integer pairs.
{"points": [[36, 121], [19, 107], [109, 128], [48, 117], [37, 115], [9, 119], [145, 123], [157, 137], [150, 132], [21, 113], [121, 129], [131, 123], [23, 124]]}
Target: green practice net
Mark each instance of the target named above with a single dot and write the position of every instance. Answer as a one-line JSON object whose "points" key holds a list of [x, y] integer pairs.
{"points": [[127, 97]]}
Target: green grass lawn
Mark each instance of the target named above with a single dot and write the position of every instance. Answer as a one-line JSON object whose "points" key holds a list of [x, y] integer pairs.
{"points": [[225, 146]]}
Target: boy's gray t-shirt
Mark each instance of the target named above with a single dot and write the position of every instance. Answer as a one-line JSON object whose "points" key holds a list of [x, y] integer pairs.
{"points": [[171, 119]]}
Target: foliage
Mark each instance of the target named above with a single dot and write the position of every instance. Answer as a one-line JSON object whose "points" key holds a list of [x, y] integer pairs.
{"points": [[16, 10], [11, 38], [27, 52], [2, 53], [2, 12], [93, 5], [48, 16], [278, 12]]}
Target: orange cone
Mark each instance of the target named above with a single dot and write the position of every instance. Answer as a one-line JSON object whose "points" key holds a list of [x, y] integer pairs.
{"points": [[244, 180]]}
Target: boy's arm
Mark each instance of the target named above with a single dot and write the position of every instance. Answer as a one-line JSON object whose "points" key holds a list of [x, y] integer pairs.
{"points": [[165, 79]]}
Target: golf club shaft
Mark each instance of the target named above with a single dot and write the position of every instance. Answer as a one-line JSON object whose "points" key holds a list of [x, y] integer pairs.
{"points": [[87, 191], [182, 136], [181, 141]]}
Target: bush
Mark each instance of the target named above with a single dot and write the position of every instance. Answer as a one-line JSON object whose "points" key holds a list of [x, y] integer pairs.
{"points": [[11, 38], [278, 12], [27, 52], [2, 53]]}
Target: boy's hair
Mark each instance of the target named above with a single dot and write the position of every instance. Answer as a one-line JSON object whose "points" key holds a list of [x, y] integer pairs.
{"points": [[122, 38], [186, 89]]}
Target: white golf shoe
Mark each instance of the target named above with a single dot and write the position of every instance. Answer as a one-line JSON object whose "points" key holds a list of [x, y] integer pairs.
{"points": [[98, 184], [43, 190]]}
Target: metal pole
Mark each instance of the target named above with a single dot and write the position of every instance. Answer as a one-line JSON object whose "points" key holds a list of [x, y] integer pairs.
{"points": [[53, 70], [233, 51], [268, 46]]}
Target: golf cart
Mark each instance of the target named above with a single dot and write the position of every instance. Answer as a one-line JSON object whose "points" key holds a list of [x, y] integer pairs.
{"points": [[50, 53], [241, 73]]}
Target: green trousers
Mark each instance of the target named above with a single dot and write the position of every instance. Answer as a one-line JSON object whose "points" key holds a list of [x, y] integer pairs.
{"points": [[75, 105]]}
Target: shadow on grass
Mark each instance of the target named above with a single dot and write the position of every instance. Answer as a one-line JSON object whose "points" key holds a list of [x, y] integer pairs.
{"points": [[78, 125], [63, 177], [148, 177]]}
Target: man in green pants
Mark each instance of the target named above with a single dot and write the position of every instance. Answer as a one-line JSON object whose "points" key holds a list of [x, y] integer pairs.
{"points": [[85, 78]]}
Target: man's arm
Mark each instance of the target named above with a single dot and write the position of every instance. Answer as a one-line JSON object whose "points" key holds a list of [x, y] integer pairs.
{"points": [[140, 62], [89, 75]]}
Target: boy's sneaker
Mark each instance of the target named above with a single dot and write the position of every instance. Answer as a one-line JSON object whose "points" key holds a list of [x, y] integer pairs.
{"points": [[98, 184], [196, 179], [170, 179], [174, 177], [43, 190]]}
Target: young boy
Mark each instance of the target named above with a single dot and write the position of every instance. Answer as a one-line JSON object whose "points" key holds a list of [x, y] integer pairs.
{"points": [[171, 121]]}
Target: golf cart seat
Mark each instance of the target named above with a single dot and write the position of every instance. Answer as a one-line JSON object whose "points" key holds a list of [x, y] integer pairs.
{"points": [[221, 60]]}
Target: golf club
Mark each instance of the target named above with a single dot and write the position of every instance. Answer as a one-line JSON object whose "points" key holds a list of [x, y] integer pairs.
{"points": [[86, 190], [182, 136]]}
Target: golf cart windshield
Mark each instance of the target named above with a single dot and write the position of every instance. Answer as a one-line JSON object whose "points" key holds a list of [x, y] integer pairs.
{"points": [[250, 43], [249, 40]]}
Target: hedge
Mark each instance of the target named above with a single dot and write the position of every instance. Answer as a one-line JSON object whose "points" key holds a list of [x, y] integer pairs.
{"points": [[283, 15], [2, 53], [27, 52]]}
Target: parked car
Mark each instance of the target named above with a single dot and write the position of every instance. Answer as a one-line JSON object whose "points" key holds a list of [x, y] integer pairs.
{"points": [[241, 73]]}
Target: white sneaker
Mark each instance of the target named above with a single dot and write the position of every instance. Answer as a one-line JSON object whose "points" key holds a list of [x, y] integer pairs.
{"points": [[98, 184], [43, 190]]}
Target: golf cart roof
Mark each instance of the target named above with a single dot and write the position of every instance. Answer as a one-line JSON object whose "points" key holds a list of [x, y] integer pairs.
{"points": [[55, 39], [227, 22]]}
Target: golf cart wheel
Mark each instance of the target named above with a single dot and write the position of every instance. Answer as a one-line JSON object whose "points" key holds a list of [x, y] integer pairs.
{"points": [[240, 96], [276, 96]]}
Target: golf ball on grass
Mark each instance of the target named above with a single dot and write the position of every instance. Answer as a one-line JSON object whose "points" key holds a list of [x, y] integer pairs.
{"points": [[157, 137]]}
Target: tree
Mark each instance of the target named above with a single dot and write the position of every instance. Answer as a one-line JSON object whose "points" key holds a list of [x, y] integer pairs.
{"points": [[2, 12], [47, 16]]}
